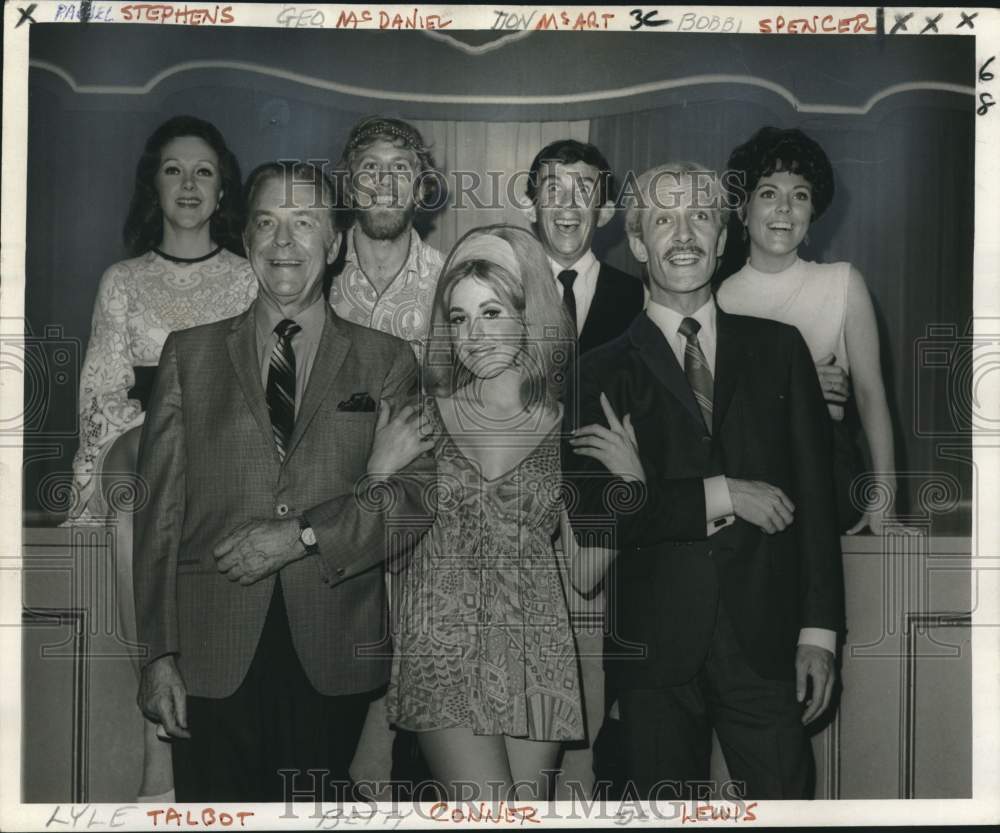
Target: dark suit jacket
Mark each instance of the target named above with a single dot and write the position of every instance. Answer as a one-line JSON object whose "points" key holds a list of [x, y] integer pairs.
{"points": [[618, 299], [770, 424], [208, 457]]}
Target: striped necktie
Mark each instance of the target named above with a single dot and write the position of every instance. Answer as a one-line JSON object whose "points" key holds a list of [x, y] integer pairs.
{"points": [[696, 369], [281, 385]]}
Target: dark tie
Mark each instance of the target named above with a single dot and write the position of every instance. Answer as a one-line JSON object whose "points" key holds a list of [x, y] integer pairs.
{"points": [[281, 385], [696, 369], [566, 278]]}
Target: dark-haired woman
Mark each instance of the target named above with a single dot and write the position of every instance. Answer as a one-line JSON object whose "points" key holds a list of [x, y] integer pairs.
{"points": [[181, 235], [788, 181]]}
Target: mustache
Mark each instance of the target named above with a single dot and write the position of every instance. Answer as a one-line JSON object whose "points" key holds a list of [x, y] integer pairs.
{"points": [[677, 250]]}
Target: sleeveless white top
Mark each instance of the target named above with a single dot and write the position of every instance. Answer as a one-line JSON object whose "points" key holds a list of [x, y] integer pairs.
{"points": [[810, 296]]}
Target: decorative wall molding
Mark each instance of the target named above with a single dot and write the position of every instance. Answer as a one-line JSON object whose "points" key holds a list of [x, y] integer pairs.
{"points": [[75, 618], [912, 624], [452, 40], [586, 97], [832, 762]]}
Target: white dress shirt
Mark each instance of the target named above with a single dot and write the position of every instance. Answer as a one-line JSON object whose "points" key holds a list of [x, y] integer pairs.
{"points": [[587, 269], [718, 501]]}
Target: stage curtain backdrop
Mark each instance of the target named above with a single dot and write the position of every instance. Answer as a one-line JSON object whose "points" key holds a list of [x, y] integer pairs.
{"points": [[478, 147]]}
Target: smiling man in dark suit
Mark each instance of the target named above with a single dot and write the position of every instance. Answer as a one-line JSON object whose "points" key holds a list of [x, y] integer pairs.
{"points": [[571, 191], [715, 485], [257, 560]]}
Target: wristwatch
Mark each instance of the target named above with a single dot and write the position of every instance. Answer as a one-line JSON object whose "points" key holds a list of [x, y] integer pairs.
{"points": [[307, 535]]}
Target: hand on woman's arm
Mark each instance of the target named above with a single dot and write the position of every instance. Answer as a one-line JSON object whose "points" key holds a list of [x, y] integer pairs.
{"points": [[398, 440], [835, 383], [861, 333], [615, 447]]}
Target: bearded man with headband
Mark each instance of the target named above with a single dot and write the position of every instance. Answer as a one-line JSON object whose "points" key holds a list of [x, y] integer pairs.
{"points": [[389, 273]]}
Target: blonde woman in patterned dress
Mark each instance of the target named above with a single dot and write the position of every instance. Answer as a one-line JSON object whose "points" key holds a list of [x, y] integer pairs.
{"points": [[485, 666], [182, 229]]}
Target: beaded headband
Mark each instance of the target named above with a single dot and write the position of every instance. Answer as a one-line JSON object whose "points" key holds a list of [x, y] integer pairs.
{"points": [[382, 127]]}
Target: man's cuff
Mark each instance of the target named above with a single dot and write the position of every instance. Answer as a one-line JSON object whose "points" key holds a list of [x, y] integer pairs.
{"points": [[820, 638], [718, 504]]}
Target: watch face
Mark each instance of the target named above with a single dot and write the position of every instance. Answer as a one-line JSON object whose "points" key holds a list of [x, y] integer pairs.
{"points": [[308, 537]]}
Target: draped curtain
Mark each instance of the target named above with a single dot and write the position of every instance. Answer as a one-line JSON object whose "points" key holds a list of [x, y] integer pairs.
{"points": [[478, 147]]}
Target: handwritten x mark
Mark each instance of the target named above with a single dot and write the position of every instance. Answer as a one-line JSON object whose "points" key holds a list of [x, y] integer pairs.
{"points": [[26, 15], [967, 20], [900, 23], [932, 23]]}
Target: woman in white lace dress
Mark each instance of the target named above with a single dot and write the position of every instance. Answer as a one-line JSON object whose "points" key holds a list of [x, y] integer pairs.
{"points": [[182, 230], [183, 226]]}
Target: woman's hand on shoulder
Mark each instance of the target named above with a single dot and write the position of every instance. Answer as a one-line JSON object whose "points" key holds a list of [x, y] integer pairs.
{"points": [[615, 447], [398, 440], [833, 379]]}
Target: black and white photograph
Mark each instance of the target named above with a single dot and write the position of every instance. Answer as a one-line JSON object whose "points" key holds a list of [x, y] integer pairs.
{"points": [[499, 415]]}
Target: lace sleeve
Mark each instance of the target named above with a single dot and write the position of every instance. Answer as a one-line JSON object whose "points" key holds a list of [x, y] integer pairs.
{"points": [[106, 412]]}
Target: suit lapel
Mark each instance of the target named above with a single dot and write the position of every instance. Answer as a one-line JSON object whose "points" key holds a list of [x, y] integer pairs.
{"points": [[242, 346], [660, 359], [330, 354], [731, 353], [592, 334]]}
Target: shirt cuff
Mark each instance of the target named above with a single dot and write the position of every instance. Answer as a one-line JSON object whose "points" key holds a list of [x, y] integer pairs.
{"points": [[718, 504], [819, 638]]}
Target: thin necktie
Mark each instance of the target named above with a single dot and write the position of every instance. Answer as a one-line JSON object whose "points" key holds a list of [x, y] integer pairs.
{"points": [[566, 278], [281, 385], [696, 369]]}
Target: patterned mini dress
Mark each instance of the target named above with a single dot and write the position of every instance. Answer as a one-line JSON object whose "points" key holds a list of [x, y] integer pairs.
{"points": [[482, 635]]}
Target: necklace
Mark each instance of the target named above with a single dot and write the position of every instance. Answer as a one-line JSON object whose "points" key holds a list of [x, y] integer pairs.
{"points": [[175, 259]]}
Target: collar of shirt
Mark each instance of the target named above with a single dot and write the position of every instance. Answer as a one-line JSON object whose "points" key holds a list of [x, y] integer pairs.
{"points": [[587, 269], [669, 321], [412, 266], [305, 342]]}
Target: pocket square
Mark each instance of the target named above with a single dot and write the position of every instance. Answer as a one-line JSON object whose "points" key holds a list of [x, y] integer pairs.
{"points": [[358, 402]]}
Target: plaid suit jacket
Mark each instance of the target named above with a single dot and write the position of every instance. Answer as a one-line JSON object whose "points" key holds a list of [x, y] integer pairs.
{"points": [[210, 464]]}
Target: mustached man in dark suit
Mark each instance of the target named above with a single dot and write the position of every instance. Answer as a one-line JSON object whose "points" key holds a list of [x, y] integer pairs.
{"points": [[716, 488], [570, 188]]}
